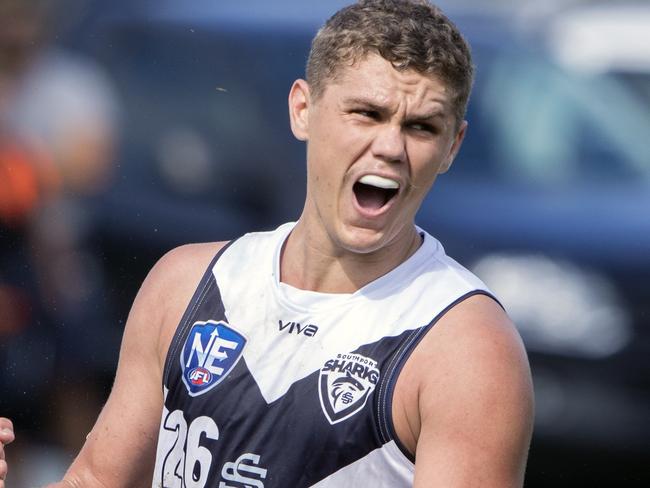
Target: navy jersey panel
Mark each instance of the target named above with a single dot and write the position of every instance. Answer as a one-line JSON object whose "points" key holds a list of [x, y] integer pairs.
{"points": [[292, 434]]}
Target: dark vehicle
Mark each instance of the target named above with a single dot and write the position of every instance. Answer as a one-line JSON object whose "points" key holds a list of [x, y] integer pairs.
{"points": [[548, 200]]}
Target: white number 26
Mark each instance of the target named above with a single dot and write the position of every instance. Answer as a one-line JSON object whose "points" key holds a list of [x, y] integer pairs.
{"points": [[186, 463]]}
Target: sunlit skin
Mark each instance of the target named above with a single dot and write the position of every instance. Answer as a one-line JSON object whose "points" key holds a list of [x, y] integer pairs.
{"points": [[372, 119]]}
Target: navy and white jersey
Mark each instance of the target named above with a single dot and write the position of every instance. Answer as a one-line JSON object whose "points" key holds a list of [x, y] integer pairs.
{"points": [[269, 386]]}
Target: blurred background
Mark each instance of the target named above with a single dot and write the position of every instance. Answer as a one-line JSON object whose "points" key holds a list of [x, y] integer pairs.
{"points": [[129, 127]]}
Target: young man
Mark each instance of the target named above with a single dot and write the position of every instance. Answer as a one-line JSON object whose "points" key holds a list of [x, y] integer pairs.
{"points": [[347, 347]]}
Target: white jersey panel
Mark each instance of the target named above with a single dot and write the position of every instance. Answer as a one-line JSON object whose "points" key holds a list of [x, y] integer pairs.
{"points": [[406, 298]]}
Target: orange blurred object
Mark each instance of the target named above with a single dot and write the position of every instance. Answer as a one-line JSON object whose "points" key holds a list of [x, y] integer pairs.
{"points": [[25, 180]]}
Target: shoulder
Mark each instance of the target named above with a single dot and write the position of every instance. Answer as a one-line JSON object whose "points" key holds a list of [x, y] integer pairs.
{"points": [[477, 327], [168, 289], [182, 265], [474, 350], [177, 272]]}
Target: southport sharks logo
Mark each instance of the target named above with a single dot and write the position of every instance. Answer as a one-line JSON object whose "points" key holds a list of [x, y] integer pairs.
{"points": [[345, 383]]}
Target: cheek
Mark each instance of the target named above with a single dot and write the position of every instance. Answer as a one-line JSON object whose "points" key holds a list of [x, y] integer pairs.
{"points": [[331, 154], [422, 179], [424, 168], [322, 173], [428, 157]]}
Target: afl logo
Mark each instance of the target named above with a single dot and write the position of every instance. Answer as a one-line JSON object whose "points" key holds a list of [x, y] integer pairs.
{"points": [[346, 382], [199, 376]]}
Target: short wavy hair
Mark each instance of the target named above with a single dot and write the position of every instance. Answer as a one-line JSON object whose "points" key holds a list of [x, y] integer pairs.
{"points": [[410, 34]]}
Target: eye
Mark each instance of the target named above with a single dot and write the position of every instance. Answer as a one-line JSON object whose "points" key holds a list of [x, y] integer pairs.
{"points": [[366, 113], [422, 127]]}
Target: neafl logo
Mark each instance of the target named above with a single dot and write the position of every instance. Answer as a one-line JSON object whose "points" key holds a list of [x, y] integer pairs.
{"points": [[345, 383], [211, 351]]}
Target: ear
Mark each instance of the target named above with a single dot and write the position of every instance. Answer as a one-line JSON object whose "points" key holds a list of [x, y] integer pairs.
{"points": [[299, 102], [455, 147]]}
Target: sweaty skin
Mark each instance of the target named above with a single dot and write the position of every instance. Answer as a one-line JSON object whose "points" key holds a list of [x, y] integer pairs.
{"points": [[463, 401]]}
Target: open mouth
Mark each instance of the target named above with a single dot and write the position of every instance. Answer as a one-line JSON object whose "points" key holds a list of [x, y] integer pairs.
{"points": [[373, 192]]}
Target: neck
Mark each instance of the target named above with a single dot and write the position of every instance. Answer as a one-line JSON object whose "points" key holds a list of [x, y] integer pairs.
{"points": [[311, 261]]}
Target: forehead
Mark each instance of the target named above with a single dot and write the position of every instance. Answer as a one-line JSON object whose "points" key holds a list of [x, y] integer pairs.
{"points": [[375, 79]]}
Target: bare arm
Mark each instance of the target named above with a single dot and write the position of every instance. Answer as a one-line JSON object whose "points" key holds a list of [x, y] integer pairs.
{"points": [[120, 449], [474, 414], [6, 437]]}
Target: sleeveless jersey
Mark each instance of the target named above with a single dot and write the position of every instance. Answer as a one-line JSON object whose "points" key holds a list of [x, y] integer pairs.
{"points": [[269, 386]]}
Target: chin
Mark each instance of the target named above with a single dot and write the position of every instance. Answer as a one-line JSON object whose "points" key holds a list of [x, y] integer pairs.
{"points": [[362, 240]]}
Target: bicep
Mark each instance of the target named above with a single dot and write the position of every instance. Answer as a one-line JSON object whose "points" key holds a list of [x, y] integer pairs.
{"points": [[476, 418], [482, 449]]}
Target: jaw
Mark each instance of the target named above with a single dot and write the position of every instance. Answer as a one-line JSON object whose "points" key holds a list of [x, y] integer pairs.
{"points": [[344, 258], [366, 231], [340, 231]]}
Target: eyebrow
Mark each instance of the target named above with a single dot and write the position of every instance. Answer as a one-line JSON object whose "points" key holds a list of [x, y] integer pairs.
{"points": [[433, 114], [364, 102]]}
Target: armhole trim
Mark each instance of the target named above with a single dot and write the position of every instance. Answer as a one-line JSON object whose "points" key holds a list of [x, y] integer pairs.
{"points": [[207, 281], [397, 361]]}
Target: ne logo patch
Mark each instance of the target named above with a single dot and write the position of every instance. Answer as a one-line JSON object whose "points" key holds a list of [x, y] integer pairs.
{"points": [[345, 383], [210, 352]]}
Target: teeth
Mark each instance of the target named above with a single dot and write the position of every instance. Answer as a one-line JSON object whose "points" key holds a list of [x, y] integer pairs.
{"points": [[379, 182]]}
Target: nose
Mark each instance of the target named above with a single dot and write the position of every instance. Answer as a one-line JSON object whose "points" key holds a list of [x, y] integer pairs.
{"points": [[389, 144]]}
